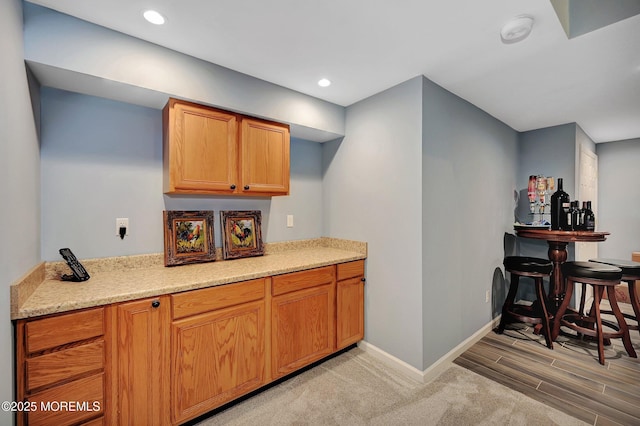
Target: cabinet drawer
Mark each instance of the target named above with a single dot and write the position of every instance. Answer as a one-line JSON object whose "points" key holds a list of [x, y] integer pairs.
{"points": [[350, 269], [63, 329], [65, 364], [209, 299], [86, 395], [301, 280]]}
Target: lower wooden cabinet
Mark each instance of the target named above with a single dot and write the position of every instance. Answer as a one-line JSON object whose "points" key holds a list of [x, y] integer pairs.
{"points": [[61, 370], [143, 361], [217, 354], [303, 321], [168, 359], [349, 303]]}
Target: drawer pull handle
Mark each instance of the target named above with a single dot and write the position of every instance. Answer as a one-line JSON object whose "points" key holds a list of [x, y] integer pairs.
{"points": [[155, 303]]}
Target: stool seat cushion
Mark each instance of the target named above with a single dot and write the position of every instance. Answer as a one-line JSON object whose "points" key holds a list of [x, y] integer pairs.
{"points": [[628, 267], [527, 264], [598, 271]]}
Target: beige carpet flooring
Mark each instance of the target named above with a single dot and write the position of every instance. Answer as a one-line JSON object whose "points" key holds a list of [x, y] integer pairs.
{"points": [[356, 389]]}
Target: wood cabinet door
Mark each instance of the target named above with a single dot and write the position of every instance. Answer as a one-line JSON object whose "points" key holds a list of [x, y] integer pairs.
{"points": [[264, 157], [303, 328], [143, 361], [349, 312], [217, 356], [201, 152]]}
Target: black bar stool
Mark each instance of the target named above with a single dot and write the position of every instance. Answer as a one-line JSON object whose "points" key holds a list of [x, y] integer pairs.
{"points": [[630, 274], [520, 266], [599, 276]]}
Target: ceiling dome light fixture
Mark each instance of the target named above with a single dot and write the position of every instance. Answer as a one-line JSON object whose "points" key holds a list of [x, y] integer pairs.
{"points": [[323, 82], [516, 29], [153, 17]]}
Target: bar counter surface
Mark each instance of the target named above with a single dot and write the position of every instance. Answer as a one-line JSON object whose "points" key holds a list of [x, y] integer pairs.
{"points": [[558, 241], [118, 279]]}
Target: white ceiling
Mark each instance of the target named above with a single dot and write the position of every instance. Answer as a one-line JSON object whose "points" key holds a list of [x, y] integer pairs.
{"points": [[366, 46]]}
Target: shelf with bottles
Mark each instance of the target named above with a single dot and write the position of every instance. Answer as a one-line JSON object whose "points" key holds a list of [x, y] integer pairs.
{"points": [[538, 190]]}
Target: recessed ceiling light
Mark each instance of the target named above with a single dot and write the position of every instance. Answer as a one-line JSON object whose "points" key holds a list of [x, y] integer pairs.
{"points": [[516, 29], [323, 82], [153, 17]]}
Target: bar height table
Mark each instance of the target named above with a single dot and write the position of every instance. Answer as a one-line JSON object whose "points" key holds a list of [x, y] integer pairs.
{"points": [[558, 241]]}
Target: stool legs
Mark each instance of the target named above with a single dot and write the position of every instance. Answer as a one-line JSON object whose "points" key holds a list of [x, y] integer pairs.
{"points": [[626, 339], [595, 318], [562, 309], [597, 298], [635, 303], [545, 314], [509, 303]]}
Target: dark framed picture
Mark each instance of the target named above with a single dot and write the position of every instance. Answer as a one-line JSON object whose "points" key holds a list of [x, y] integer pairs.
{"points": [[241, 234], [188, 237]]}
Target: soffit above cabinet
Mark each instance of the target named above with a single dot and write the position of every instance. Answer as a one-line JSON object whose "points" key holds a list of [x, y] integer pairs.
{"points": [[70, 54]]}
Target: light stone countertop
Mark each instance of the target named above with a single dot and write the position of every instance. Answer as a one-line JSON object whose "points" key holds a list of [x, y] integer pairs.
{"points": [[120, 281]]}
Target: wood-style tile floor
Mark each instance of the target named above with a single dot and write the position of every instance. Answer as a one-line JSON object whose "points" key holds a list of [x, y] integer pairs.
{"points": [[568, 378]]}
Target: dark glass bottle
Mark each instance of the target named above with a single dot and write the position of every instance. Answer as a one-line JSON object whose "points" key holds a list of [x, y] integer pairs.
{"points": [[574, 215], [559, 208], [589, 218], [582, 211]]}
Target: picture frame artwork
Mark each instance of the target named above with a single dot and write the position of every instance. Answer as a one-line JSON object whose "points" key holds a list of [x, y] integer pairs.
{"points": [[241, 234], [188, 237]]}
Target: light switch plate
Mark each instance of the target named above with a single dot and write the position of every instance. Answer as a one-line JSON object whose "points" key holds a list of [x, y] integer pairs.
{"points": [[289, 221]]}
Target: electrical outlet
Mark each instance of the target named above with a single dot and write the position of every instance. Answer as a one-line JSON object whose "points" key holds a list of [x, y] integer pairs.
{"points": [[487, 295], [122, 222], [289, 221]]}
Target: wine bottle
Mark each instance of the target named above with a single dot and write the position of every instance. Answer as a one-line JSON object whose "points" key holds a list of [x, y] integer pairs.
{"points": [[559, 208], [589, 218], [582, 211], [574, 215]]}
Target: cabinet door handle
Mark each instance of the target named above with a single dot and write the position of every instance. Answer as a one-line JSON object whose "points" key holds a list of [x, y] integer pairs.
{"points": [[363, 279], [233, 186], [246, 187], [155, 303]]}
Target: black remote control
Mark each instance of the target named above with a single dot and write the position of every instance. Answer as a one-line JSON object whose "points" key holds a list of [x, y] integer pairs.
{"points": [[79, 273]]}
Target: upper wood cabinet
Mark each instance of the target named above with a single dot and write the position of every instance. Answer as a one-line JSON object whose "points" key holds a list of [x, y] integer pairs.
{"points": [[211, 151], [264, 154]]}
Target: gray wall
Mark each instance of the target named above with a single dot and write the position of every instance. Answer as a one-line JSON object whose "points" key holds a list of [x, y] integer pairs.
{"points": [[619, 197], [372, 192], [102, 159], [19, 182], [428, 180], [469, 165]]}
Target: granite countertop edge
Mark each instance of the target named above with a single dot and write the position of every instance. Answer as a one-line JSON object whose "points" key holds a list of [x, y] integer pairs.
{"points": [[121, 281]]}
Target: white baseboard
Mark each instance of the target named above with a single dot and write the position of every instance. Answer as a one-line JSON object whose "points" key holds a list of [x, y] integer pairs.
{"points": [[391, 361], [437, 367]]}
